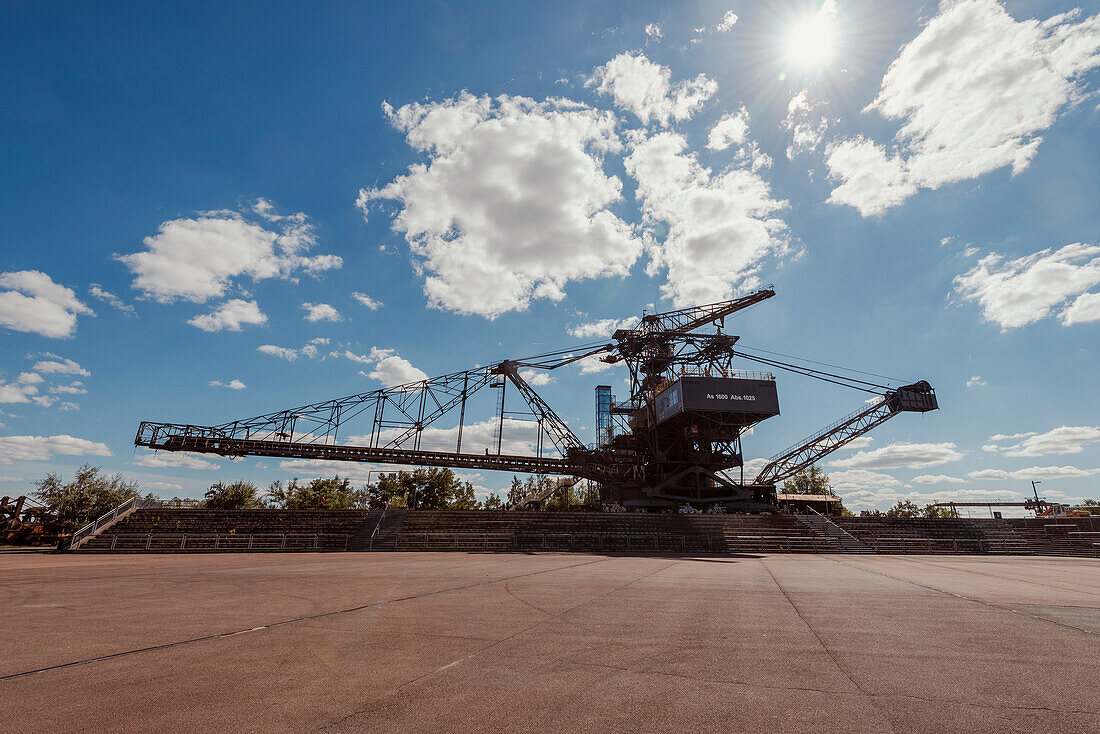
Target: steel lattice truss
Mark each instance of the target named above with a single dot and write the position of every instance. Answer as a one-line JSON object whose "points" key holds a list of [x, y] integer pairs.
{"points": [[661, 347]]}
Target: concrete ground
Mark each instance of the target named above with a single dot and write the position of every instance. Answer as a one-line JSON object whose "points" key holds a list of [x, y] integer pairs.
{"points": [[448, 642]]}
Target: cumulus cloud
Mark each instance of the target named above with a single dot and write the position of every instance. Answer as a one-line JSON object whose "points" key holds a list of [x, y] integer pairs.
{"points": [[637, 84], [536, 378], [200, 258], [721, 227], [76, 387], [937, 479], [364, 300], [1061, 440], [31, 302], [1019, 292], [871, 181], [972, 93], [19, 391], [512, 203], [396, 370], [44, 448], [732, 129], [56, 365], [653, 32], [902, 456], [1084, 309], [96, 291], [232, 384], [230, 316], [321, 312], [174, 461], [861, 479], [806, 126], [520, 437], [602, 328], [287, 353], [1034, 472], [592, 365], [729, 19]]}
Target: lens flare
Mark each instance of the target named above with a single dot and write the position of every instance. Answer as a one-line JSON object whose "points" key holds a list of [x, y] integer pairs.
{"points": [[811, 42]]}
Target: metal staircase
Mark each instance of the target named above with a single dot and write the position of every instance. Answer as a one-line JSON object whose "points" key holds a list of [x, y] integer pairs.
{"points": [[825, 528]]}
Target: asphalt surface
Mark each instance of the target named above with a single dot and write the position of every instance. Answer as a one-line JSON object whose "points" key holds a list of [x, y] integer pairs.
{"points": [[454, 642]]}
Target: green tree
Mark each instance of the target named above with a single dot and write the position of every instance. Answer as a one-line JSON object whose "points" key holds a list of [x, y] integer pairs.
{"points": [[904, 508], [239, 495], [937, 512], [319, 494], [422, 489], [1093, 506], [492, 502], [808, 481], [516, 492], [90, 494]]}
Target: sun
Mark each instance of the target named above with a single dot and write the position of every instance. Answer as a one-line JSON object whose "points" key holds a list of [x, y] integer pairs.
{"points": [[810, 43]]}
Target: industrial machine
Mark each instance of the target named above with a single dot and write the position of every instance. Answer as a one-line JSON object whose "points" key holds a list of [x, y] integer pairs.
{"points": [[676, 439]]}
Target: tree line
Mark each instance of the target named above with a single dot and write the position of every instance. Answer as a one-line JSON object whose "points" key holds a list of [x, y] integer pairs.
{"points": [[92, 493]]}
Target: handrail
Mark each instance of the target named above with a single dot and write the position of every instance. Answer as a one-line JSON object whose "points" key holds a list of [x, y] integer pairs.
{"points": [[376, 527], [218, 538], [107, 518]]}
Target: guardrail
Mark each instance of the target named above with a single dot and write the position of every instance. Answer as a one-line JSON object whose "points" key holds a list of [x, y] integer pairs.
{"points": [[134, 503], [230, 541], [948, 545], [519, 540]]}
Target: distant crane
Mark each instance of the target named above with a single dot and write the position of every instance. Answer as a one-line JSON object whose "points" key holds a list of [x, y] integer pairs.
{"points": [[674, 440]]}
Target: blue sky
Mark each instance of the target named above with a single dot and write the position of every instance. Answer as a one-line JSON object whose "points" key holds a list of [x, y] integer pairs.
{"points": [[195, 195]]}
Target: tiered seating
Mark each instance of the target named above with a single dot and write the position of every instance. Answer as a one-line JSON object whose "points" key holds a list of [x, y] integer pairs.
{"points": [[598, 531], [1061, 536], [948, 535], [231, 530]]}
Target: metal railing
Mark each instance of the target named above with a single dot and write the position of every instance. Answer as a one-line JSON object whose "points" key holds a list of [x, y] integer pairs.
{"points": [[230, 541], [948, 545], [134, 503], [376, 527]]}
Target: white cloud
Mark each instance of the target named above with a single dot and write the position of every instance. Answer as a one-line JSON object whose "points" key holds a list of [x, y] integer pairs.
{"points": [[1019, 292], [202, 257], [1085, 309], [231, 315], [976, 381], [512, 203], [364, 300], [281, 352], [857, 443], [321, 312], [96, 291], [721, 226], [232, 384], [174, 461], [43, 448], [729, 19], [169, 486], [536, 378], [653, 31], [29, 378], [806, 127], [16, 392], [972, 92], [32, 302], [871, 181], [1034, 472], [396, 370], [937, 479], [645, 88], [1061, 440], [592, 365], [861, 479], [732, 129], [76, 387], [325, 467], [902, 456], [60, 366], [603, 328]]}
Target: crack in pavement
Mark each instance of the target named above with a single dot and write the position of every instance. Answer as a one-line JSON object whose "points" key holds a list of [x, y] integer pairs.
{"points": [[388, 701], [825, 647], [284, 622], [964, 597], [996, 576]]}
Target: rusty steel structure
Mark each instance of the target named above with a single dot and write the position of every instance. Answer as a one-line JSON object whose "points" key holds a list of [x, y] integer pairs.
{"points": [[675, 439]]}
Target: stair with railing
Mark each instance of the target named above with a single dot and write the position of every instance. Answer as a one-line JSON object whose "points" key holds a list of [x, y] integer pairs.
{"points": [[844, 541]]}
